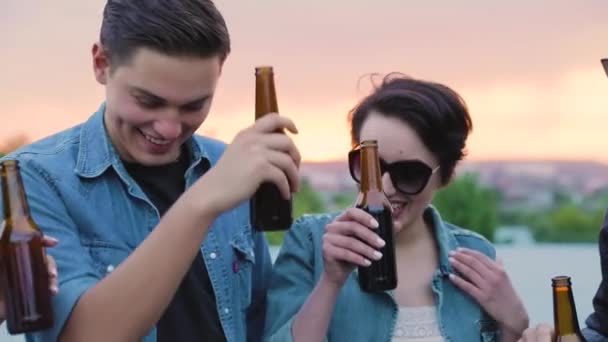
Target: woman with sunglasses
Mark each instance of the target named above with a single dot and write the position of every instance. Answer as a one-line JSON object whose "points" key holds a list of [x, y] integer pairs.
{"points": [[450, 288]]}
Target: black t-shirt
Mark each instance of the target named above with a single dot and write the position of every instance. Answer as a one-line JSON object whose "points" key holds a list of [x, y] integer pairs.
{"points": [[192, 313]]}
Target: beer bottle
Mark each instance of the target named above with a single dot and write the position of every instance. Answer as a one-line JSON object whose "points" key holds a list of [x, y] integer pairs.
{"points": [[24, 280], [381, 275], [269, 210], [564, 311]]}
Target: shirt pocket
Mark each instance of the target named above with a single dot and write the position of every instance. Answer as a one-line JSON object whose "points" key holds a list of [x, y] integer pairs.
{"points": [[488, 329], [242, 267], [106, 256]]}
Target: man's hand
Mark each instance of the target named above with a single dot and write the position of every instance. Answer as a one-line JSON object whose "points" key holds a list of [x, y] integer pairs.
{"points": [[51, 268], [256, 155]]}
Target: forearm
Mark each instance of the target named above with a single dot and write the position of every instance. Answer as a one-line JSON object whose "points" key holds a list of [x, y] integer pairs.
{"points": [[312, 321], [128, 302]]}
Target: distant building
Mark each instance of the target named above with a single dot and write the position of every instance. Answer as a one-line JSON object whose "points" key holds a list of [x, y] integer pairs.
{"points": [[533, 185]]}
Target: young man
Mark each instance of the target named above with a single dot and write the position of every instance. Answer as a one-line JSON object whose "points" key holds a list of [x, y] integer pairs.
{"points": [[597, 322], [153, 220]]}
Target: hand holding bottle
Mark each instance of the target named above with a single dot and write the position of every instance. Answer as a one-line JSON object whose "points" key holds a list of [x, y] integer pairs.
{"points": [[349, 241], [255, 155], [51, 268]]}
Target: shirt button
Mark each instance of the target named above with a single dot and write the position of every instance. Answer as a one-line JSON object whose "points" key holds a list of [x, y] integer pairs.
{"points": [[110, 268], [213, 255], [226, 310]]}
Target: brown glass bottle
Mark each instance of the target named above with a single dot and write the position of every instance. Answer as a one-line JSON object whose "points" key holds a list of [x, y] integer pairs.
{"points": [[269, 210], [381, 275], [564, 311], [24, 280]]}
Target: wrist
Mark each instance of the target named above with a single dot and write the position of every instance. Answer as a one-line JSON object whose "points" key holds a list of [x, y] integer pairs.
{"points": [[327, 282], [515, 327], [204, 199]]}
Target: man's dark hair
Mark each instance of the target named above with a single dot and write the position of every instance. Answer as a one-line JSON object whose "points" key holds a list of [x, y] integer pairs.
{"points": [[437, 114], [193, 28]]}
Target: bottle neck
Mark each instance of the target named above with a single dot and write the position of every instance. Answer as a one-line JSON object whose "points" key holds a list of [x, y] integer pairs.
{"points": [[371, 179], [13, 195], [564, 310], [265, 93]]}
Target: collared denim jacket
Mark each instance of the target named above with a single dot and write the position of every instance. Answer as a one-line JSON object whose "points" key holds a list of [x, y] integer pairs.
{"points": [[80, 193], [370, 317]]}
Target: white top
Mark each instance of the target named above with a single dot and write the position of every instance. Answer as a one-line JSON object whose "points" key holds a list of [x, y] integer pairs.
{"points": [[417, 324]]}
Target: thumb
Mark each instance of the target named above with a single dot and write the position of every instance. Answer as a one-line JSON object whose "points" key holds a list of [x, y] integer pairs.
{"points": [[49, 241]]}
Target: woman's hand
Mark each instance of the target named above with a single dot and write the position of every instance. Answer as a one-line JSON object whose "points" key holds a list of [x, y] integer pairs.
{"points": [[487, 282], [349, 241]]}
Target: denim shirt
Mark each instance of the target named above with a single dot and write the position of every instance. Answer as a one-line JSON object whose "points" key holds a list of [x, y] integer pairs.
{"points": [[80, 193], [359, 316]]}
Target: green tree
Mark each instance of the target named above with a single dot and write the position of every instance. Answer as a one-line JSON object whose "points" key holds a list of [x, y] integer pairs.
{"points": [[343, 200], [567, 223], [468, 204], [561, 197], [305, 201]]}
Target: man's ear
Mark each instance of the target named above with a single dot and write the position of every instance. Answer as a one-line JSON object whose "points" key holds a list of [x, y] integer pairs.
{"points": [[101, 63]]}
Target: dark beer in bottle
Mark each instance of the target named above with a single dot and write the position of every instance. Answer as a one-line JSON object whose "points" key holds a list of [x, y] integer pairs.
{"points": [[25, 280], [564, 312], [269, 210], [381, 275]]}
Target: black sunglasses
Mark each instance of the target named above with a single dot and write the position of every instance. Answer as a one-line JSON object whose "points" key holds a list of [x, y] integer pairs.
{"points": [[605, 64], [408, 176]]}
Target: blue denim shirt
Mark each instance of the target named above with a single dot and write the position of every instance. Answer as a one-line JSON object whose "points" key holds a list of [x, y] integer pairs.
{"points": [[80, 193], [360, 316]]}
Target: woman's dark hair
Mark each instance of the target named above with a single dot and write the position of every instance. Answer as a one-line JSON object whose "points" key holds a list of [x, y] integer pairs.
{"points": [[193, 28], [437, 113]]}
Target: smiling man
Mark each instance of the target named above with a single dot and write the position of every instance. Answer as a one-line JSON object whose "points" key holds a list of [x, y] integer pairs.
{"points": [[153, 220]]}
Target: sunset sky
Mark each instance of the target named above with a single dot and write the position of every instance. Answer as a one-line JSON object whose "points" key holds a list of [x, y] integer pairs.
{"points": [[529, 70]]}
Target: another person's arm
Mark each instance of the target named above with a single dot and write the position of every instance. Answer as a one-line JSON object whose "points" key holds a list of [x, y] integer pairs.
{"points": [[51, 269]]}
